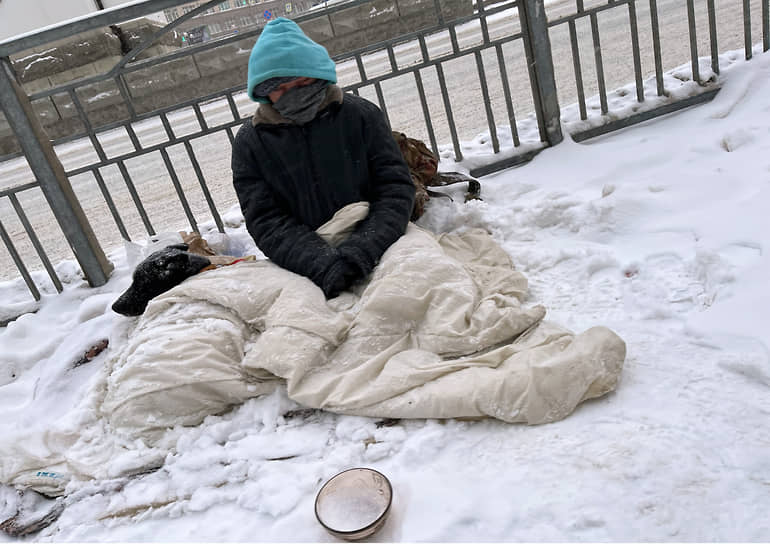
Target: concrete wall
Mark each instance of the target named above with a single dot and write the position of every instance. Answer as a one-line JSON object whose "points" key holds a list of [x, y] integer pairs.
{"points": [[196, 75], [85, 55]]}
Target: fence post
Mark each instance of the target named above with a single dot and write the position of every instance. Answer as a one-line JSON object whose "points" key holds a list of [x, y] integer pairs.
{"points": [[53, 181], [537, 44]]}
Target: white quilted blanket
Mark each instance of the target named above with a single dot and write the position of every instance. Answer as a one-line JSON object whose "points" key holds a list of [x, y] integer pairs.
{"points": [[438, 331]]}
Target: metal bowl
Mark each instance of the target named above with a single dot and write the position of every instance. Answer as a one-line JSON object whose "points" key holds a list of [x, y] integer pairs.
{"points": [[354, 504]]}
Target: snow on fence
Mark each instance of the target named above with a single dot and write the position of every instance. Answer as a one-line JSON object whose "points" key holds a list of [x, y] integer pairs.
{"points": [[143, 146]]}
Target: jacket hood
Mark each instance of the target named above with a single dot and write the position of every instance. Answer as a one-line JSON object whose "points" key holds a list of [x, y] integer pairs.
{"points": [[283, 50]]}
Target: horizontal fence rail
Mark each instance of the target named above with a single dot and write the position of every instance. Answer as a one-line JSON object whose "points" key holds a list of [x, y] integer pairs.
{"points": [[641, 21], [143, 144]]}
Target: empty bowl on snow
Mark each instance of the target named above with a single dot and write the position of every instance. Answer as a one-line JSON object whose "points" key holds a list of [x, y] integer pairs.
{"points": [[354, 504]]}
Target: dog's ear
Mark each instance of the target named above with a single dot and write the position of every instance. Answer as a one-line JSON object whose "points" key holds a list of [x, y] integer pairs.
{"points": [[181, 264], [175, 260], [195, 263]]}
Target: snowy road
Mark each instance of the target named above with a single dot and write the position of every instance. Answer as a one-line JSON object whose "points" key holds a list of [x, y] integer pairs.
{"points": [[157, 192]]}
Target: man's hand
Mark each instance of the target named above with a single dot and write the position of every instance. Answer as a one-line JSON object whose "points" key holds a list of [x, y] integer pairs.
{"points": [[340, 275]]}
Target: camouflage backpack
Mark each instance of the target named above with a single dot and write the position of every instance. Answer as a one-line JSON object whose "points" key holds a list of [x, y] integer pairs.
{"points": [[423, 166]]}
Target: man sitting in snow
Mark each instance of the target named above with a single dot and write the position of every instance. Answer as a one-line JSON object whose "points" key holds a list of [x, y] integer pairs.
{"points": [[309, 151]]}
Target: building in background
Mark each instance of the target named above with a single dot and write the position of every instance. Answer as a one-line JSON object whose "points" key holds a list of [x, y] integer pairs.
{"points": [[231, 16], [173, 13]]}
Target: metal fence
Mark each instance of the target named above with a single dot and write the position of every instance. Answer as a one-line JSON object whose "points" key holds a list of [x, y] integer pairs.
{"points": [[488, 66]]}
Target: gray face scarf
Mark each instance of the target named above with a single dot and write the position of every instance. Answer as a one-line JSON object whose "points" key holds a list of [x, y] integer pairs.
{"points": [[301, 104]]}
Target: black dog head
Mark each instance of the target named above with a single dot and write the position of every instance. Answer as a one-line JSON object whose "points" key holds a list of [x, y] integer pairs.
{"points": [[157, 274]]}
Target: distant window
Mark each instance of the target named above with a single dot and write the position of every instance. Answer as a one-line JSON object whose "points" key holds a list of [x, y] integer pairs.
{"points": [[171, 14]]}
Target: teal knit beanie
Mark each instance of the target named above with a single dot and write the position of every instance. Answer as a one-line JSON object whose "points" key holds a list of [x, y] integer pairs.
{"points": [[283, 50]]}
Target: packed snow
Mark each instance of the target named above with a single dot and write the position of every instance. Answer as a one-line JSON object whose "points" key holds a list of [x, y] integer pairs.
{"points": [[659, 232]]}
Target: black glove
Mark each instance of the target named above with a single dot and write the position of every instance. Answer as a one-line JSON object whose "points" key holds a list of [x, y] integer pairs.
{"points": [[356, 257], [339, 276]]}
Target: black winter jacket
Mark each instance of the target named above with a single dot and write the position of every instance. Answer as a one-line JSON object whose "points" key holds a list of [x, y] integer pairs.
{"points": [[290, 179]]}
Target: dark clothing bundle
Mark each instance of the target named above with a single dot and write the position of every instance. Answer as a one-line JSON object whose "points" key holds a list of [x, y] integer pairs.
{"points": [[290, 179], [423, 166]]}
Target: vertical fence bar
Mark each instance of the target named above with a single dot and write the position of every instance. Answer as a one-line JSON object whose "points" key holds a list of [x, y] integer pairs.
{"points": [[599, 63], [421, 90], [453, 39], [533, 81], [204, 186], [766, 25], [448, 110], [693, 41], [656, 47], [537, 45], [439, 12], [110, 203], [178, 189], [199, 116], [49, 172], [381, 100], [635, 50], [747, 27], [713, 37], [35, 242], [483, 21], [126, 95], [233, 107], [578, 70], [133, 137], [361, 69], [167, 127], [18, 262], [392, 58], [87, 125], [135, 197], [507, 95], [425, 111], [487, 103]]}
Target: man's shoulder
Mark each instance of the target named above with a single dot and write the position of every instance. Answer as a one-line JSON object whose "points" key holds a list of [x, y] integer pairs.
{"points": [[245, 141], [246, 135], [246, 129], [359, 104]]}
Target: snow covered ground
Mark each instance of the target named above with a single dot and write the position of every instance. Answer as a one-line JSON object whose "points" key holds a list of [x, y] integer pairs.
{"points": [[659, 232]]}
